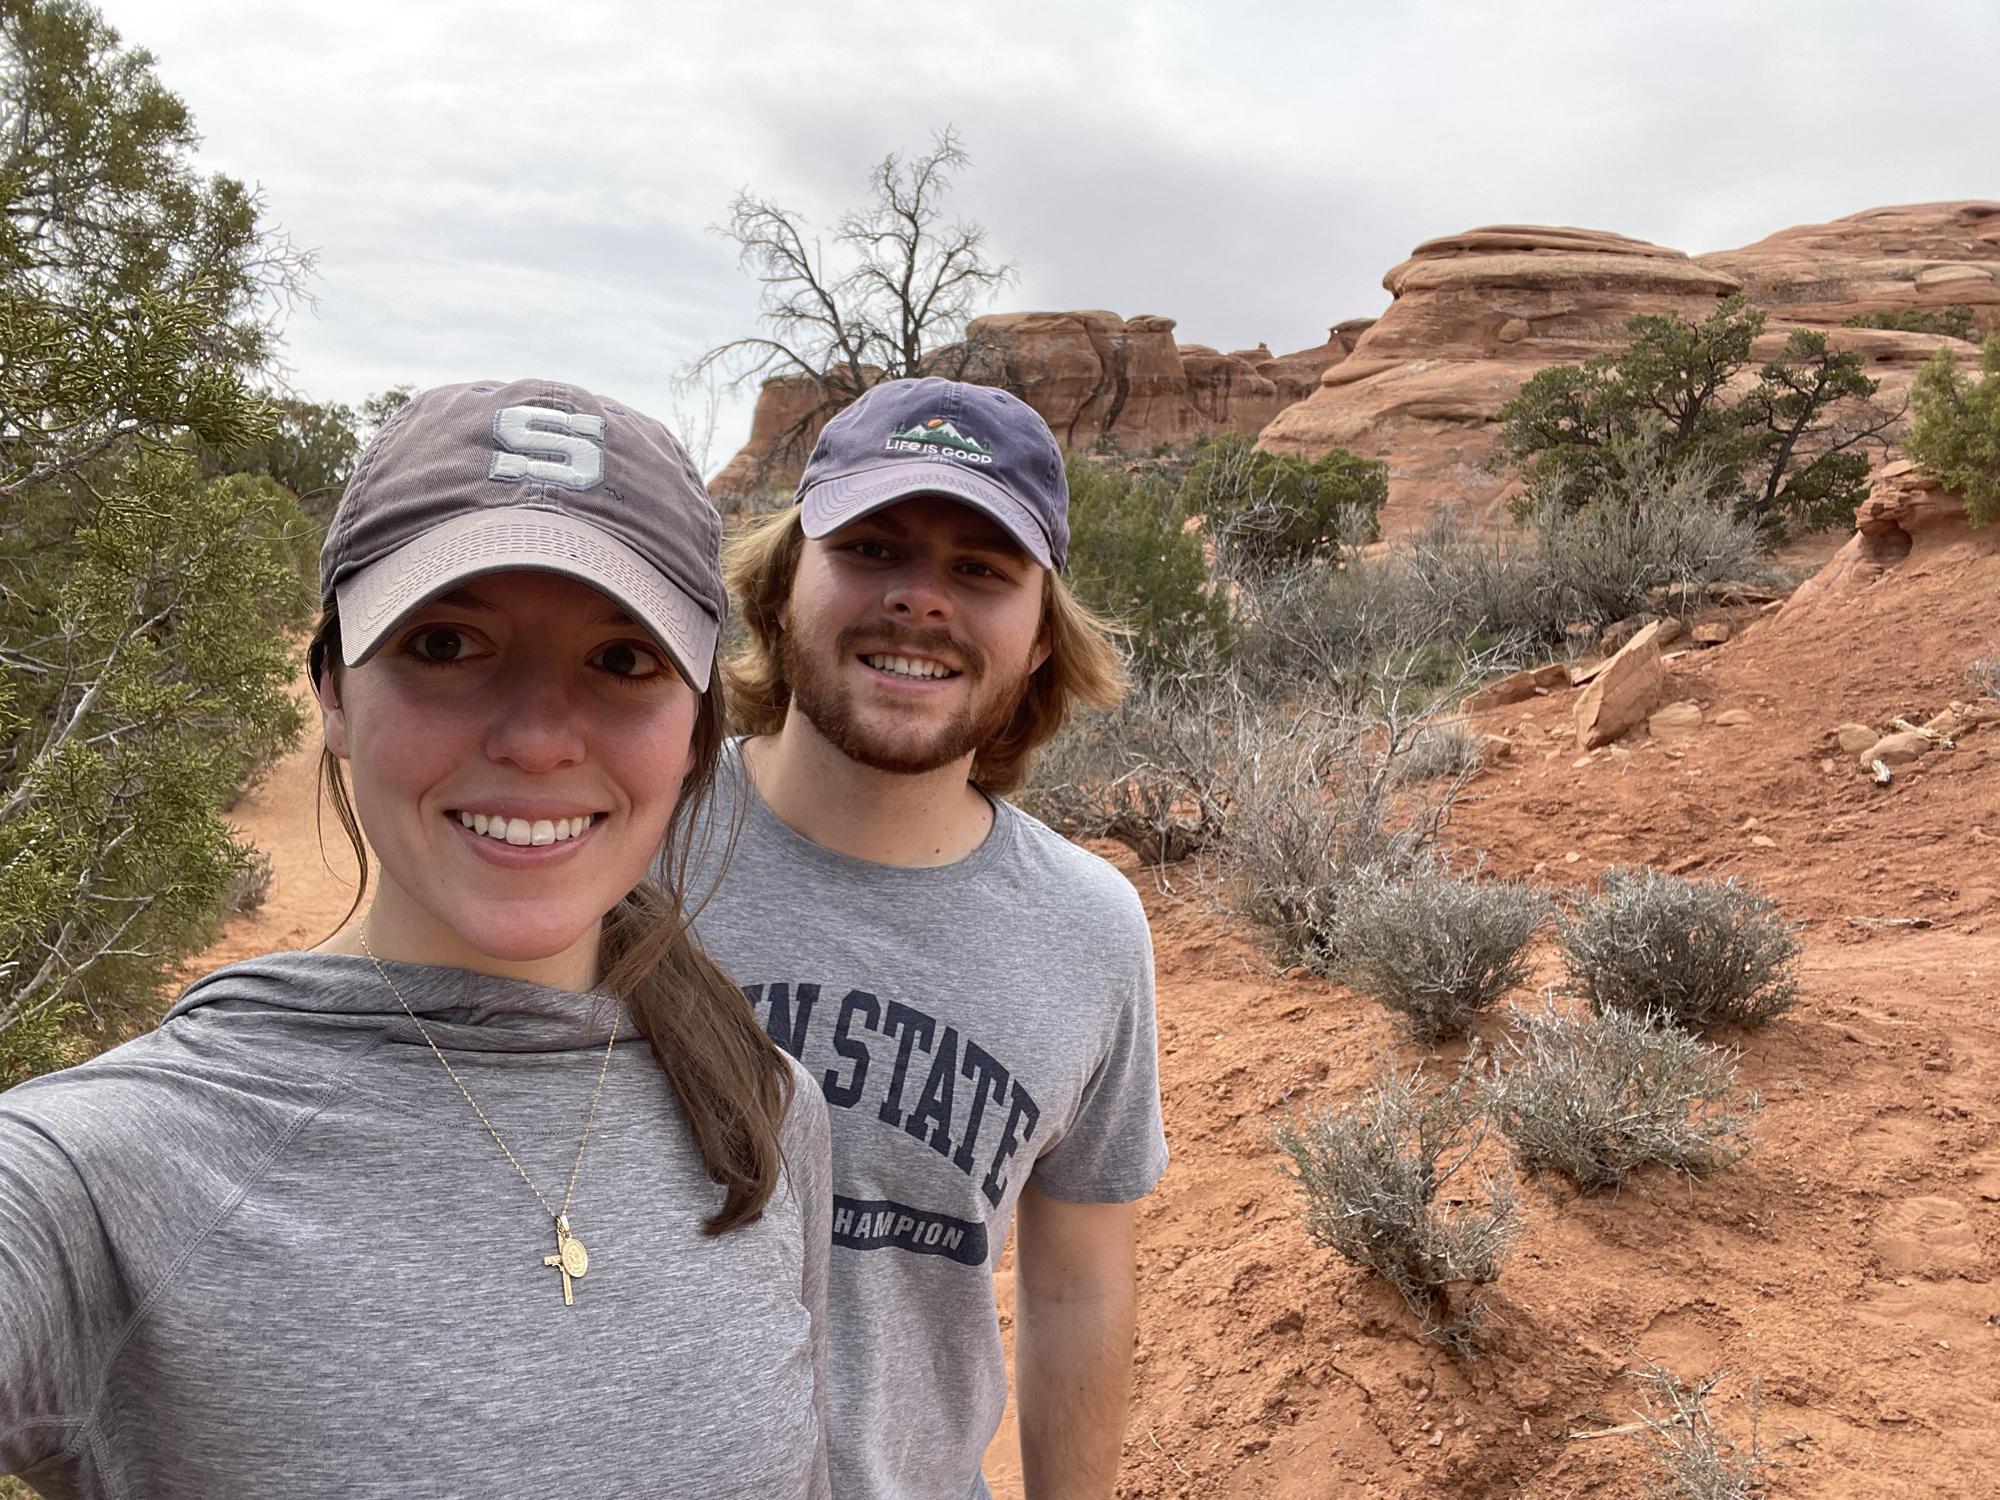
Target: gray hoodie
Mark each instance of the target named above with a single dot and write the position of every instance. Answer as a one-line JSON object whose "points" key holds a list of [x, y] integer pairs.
{"points": [[268, 1250]]}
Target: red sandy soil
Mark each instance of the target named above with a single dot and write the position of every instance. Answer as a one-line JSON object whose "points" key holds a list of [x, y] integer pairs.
{"points": [[1848, 1263]]}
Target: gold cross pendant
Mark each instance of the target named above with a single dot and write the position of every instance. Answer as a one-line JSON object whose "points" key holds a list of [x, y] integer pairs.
{"points": [[570, 1258]]}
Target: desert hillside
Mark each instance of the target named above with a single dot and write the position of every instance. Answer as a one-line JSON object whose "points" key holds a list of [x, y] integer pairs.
{"points": [[1848, 1264]]}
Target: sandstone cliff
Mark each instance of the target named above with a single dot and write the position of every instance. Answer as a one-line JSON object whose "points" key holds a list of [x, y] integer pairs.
{"points": [[1476, 314], [1917, 255], [1092, 375]]}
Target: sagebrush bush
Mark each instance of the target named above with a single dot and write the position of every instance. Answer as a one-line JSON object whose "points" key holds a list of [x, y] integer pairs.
{"points": [[1693, 1458], [1433, 947], [1699, 953], [1442, 748], [1154, 772], [1380, 1183], [1984, 675], [1597, 1096], [1316, 806]]}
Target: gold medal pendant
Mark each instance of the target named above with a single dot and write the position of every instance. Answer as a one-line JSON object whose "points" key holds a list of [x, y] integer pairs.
{"points": [[570, 1258]]}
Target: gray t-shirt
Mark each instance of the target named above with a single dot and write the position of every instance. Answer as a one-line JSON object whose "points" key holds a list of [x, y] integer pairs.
{"points": [[268, 1250], [974, 1027]]}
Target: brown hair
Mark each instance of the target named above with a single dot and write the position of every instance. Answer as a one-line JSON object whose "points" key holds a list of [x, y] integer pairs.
{"points": [[732, 1082], [760, 563]]}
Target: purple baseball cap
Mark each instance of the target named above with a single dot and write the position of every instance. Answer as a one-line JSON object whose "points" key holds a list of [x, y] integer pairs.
{"points": [[488, 477], [933, 436]]}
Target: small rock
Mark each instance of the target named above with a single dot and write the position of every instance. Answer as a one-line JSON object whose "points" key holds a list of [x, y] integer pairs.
{"points": [[1619, 632], [1625, 692], [1854, 738], [1581, 761], [1671, 630], [1510, 689], [1677, 721], [1527, 732], [1494, 747], [1829, 766], [1733, 718], [1549, 678], [1572, 857], [1763, 842], [1896, 750], [1712, 633], [1949, 724]]}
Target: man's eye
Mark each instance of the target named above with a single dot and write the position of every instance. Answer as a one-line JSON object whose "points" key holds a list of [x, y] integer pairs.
{"points": [[440, 643], [623, 659]]}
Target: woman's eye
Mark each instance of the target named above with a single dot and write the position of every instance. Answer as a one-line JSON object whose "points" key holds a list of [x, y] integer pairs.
{"points": [[622, 659], [439, 643]]}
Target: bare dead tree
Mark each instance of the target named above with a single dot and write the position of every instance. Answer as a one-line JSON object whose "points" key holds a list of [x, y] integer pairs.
{"points": [[890, 301]]}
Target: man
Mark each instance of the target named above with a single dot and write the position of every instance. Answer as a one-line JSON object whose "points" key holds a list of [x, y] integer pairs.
{"points": [[973, 993]]}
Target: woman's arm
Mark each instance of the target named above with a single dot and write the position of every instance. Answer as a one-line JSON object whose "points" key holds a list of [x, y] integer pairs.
{"points": [[62, 1301]]}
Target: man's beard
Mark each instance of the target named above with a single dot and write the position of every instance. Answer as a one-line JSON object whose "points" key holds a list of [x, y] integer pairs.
{"points": [[824, 699]]}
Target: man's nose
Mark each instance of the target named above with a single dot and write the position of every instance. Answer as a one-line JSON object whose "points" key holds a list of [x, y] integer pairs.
{"points": [[918, 593]]}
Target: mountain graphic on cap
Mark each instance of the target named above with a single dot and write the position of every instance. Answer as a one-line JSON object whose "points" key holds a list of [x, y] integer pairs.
{"points": [[938, 433]]}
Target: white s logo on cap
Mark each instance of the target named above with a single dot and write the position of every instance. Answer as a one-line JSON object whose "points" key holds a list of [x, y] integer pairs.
{"points": [[553, 446]]}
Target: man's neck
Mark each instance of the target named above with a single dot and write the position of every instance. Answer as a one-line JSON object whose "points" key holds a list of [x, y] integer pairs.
{"points": [[885, 817]]}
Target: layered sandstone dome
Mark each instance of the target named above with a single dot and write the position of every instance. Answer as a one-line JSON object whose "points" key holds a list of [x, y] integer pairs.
{"points": [[1474, 316]]}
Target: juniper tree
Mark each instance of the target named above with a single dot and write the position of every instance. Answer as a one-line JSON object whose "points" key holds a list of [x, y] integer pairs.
{"points": [[143, 669], [1789, 451]]}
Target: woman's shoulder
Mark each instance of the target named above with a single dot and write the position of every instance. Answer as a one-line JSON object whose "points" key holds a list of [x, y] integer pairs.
{"points": [[231, 1065]]}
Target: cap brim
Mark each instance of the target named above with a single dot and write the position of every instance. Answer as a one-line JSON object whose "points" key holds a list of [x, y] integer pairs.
{"points": [[374, 601], [833, 503]]}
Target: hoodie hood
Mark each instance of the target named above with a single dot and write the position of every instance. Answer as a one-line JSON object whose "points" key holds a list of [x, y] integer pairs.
{"points": [[461, 1010]]}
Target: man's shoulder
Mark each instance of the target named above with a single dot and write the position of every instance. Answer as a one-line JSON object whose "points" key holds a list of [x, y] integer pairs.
{"points": [[1068, 873]]}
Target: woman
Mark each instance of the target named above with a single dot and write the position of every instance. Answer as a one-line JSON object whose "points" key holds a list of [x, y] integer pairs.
{"points": [[417, 1213]]}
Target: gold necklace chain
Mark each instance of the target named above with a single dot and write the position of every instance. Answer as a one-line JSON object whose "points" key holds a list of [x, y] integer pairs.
{"points": [[570, 1258]]}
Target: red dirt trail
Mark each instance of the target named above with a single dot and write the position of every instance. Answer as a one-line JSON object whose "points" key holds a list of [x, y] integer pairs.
{"points": [[1848, 1263]]}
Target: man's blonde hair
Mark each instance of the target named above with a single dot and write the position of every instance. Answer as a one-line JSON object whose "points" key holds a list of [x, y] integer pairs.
{"points": [[1084, 666]]}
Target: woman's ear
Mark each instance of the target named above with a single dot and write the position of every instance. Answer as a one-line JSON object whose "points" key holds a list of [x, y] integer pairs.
{"points": [[333, 721]]}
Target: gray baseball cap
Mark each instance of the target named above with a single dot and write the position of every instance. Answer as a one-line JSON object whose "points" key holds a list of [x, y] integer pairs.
{"points": [[487, 477], [933, 436]]}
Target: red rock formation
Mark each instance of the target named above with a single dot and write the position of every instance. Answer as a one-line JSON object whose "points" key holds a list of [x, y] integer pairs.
{"points": [[1474, 315], [1916, 255], [791, 410], [1092, 375]]}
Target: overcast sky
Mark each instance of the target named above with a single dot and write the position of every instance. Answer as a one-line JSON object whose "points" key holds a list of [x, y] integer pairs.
{"points": [[515, 187]]}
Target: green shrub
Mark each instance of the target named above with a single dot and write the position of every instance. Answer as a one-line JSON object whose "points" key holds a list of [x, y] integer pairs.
{"points": [[1697, 953], [1955, 429], [1266, 511], [1433, 947], [1133, 557], [1597, 1096], [1380, 1183], [1955, 322]]}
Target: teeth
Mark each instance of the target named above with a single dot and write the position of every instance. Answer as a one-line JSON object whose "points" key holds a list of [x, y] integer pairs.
{"points": [[907, 666], [521, 831]]}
